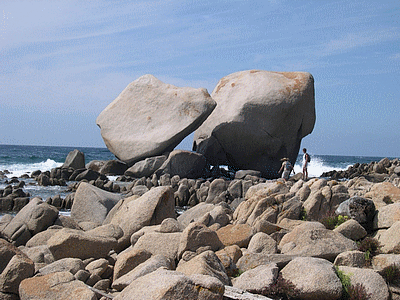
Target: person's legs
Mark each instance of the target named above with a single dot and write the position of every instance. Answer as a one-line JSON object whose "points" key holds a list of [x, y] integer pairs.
{"points": [[305, 172]]}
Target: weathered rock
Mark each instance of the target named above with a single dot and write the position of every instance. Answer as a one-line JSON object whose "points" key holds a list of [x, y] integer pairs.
{"points": [[262, 243], [95, 165], [390, 239], [36, 216], [172, 285], [383, 193], [77, 244], [351, 259], [41, 238], [374, 284], [313, 239], [157, 243], [170, 225], [61, 285], [107, 231], [381, 261], [98, 266], [197, 235], [360, 209], [150, 209], [69, 264], [386, 216], [92, 204], [146, 167], [257, 280], [185, 164], [244, 124], [314, 278], [352, 230], [152, 264], [252, 260], [195, 213], [206, 263], [166, 113], [88, 175], [129, 260], [229, 257], [113, 167], [75, 159], [239, 234], [15, 266], [39, 254]]}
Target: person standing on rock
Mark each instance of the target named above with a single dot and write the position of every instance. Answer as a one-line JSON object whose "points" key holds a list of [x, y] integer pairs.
{"points": [[287, 168], [306, 160]]}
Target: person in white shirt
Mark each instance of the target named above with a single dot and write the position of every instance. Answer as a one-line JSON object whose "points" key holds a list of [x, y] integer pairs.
{"points": [[306, 160]]}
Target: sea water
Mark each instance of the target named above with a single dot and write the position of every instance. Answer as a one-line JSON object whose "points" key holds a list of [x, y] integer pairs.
{"points": [[19, 160]]}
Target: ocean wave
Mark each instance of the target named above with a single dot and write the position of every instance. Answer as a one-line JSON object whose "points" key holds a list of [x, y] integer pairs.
{"points": [[18, 170], [317, 166]]}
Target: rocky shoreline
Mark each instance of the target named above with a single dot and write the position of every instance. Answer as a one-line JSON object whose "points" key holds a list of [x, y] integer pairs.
{"points": [[240, 236]]}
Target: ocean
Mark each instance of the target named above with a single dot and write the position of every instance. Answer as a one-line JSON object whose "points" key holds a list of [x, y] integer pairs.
{"points": [[19, 160]]}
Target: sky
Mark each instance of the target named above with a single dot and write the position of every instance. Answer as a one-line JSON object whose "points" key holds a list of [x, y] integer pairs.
{"points": [[63, 62]]}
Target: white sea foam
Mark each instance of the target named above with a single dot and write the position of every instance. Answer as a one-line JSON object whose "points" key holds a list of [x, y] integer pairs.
{"points": [[316, 167], [18, 170]]}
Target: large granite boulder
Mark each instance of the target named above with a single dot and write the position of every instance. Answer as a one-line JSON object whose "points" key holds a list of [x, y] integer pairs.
{"points": [[92, 204], [261, 117], [150, 117]]}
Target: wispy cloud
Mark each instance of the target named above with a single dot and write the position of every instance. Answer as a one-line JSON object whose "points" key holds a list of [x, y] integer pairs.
{"points": [[355, 40]]}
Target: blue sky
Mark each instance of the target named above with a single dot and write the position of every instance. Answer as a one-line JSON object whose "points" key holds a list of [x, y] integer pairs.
{"points": [[63, 62]]}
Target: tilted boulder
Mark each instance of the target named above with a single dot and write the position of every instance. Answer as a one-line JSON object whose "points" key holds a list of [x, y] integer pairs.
{"points": [[166, 113], [260, 118]]}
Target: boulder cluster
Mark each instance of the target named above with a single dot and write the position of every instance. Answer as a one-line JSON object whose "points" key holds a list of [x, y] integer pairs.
{"points": [[373, 171], [163, 236], [251, 120]]}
